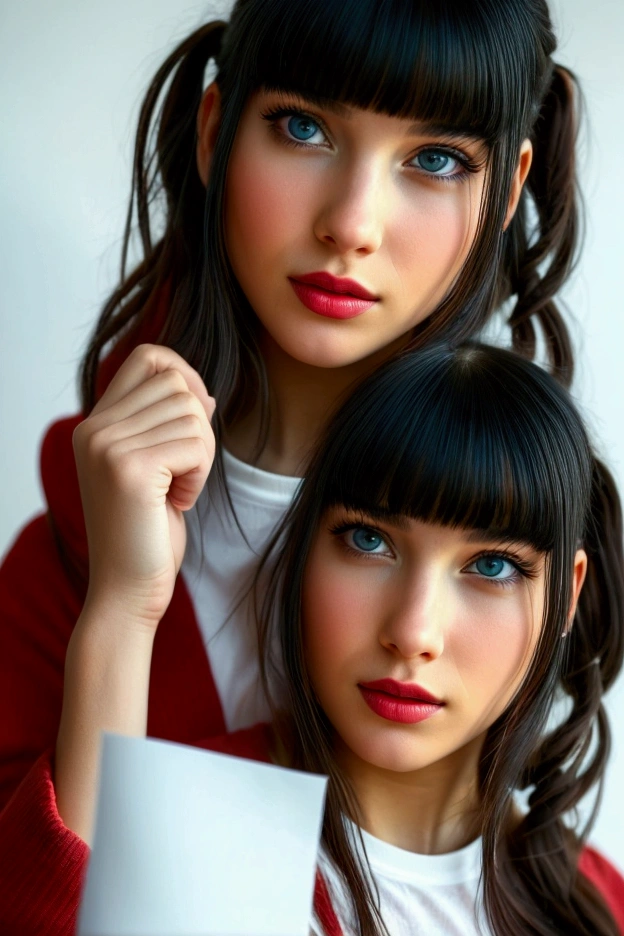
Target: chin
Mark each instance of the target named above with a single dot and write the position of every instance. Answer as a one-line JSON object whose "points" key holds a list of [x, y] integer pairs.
{"points": [[325, 347], [393, 750]]}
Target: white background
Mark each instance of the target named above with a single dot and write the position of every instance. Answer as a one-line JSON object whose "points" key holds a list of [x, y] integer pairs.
{"points": [[71, 78]]}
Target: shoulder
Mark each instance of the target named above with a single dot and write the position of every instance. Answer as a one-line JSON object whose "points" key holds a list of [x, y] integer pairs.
{"points": [[255, 743], [606, 879]]}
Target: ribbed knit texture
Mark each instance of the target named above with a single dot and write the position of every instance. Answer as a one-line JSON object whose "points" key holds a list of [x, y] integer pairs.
{"points": [[41, 862]]}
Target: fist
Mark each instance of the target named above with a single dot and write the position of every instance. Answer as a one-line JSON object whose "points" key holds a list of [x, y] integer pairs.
{"points": [[143, 456]]}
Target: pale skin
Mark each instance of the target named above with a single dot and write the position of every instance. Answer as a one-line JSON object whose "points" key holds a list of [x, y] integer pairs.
{"points": [[418, 610], [365, 209], [354, 203]]}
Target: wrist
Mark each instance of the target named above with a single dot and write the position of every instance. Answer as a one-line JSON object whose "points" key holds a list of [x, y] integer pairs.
{"points": [[122, 613], [106, 688]]}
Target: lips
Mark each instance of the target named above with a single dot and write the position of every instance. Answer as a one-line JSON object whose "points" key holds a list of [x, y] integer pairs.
{"points": [[407, 703], [336, 284], [332, 296], [402, 690]]}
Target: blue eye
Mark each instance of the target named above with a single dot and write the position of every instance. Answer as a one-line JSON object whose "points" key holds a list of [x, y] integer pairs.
{"points": [[302, 128], [490, 566], [493, 567], [437, 162], [365, 539]]}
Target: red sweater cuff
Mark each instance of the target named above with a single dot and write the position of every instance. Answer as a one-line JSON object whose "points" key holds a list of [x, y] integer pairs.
{"points": [[42, 862]]}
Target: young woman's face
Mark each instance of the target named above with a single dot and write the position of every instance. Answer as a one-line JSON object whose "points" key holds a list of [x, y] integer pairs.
{"points": [[448, 615], [317, 195]]}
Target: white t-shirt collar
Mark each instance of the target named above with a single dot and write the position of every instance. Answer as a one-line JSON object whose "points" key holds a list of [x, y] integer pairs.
{"points": [[399, 864], [253, 484]]}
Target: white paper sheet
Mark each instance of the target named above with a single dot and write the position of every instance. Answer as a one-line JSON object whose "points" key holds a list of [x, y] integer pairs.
{"points": [[190, 842]]}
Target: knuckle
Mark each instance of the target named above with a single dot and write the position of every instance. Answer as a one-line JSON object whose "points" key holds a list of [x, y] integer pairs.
{"points": [[198, 449], [143, 351], [173, 381], [190, 402], [86, 440], [79, 435], [183, 395], [192, 424], [97, 443], [111, 454], [198, 409]]}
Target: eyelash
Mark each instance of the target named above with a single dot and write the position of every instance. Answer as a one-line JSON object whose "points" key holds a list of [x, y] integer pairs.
{"points": [[341, 528], [272, 115], [524, 569], [468, 165]]}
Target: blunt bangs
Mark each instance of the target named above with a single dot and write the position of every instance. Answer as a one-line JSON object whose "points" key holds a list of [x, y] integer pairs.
{"points": [[474, 438], [453, 64]]}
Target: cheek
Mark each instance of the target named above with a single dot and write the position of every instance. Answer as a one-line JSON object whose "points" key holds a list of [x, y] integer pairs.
{"points": [[247, 205], [495, 651], [335, 612], [438, 228], [263, 206]]}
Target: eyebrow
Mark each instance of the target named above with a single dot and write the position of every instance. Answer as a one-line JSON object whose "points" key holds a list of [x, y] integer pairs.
{"points": [[423, 127]]}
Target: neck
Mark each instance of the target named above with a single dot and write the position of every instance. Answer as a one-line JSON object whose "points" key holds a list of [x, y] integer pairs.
{"points": [[431, 811], [301, 399]]}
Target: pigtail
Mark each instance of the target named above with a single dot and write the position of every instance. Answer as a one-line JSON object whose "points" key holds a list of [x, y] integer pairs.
{"points": [[163, 171], [533, 877], [600, 613], [539, 264]]}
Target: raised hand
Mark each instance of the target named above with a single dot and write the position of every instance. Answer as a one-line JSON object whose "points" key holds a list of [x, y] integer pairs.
{"points": [[143, 456]]}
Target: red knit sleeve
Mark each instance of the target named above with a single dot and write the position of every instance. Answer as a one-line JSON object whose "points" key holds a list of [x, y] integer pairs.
{"points": [[41, 862], [607, 880]]}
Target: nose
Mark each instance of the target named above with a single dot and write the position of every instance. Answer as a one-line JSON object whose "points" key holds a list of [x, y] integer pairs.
{"points": [[352, 216], [415, 623]]}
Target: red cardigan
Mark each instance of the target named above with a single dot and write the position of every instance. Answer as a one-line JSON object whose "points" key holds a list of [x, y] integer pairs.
{"points": [[42, 588]]}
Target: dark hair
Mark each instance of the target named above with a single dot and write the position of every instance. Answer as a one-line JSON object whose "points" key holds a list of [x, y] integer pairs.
{"points": [[484, 67], [476, 437]]}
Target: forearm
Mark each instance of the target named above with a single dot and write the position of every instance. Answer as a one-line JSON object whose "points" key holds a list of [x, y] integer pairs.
{"points": [[107, 673], [142, 456]]}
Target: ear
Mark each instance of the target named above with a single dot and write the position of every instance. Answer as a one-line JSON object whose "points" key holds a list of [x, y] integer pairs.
{"points": [[522, 170], [208, 121], [578, 577]]}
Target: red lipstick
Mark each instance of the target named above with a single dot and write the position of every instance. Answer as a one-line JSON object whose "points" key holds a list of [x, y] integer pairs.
{"points": [[332, 296], [399, 702]]}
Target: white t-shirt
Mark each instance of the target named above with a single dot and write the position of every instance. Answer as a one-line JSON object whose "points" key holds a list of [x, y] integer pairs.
{"points": [[419, 895], [217, 569]]}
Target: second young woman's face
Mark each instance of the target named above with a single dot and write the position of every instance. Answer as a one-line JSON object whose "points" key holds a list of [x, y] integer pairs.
{"points": [[416, 635], [321, 195]]}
